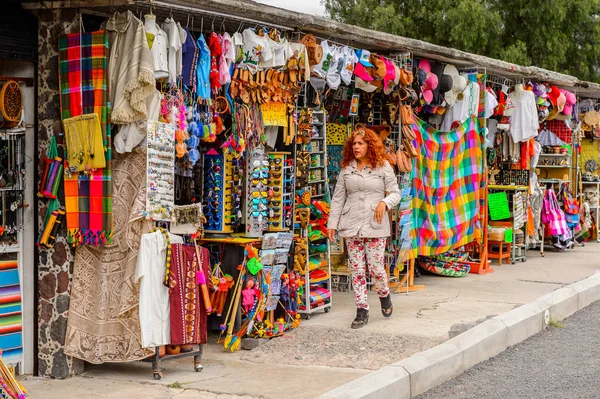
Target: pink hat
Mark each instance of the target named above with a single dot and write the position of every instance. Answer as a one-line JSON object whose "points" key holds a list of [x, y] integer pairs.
{"points": [[570, 100], [425, 65], [362, 72], [431, 83], [390, 73]]}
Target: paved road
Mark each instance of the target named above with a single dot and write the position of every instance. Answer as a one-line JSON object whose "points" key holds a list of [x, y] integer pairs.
{"points": [[557, 363]]}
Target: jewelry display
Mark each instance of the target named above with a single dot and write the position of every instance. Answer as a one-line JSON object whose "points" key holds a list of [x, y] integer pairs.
{"points": [[160, 171]]}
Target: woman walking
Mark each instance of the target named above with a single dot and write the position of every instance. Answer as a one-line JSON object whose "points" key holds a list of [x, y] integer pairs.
{"points": [[366, 190]]}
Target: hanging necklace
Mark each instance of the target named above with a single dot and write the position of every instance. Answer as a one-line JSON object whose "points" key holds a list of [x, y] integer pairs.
{"points": [[78, 149]]}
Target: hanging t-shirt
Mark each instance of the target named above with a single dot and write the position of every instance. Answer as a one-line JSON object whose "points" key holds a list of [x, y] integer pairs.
{"points": [[463, 108], [238, 47], [174, 37], [334, 77], [159, 52], [322, 67], [281, 53], [350, 59], [299, 51], [490, 103], [227, 58], [182, 38], [154, 295], [255, 49], [524, 122], [203, 70], [189, 61]]}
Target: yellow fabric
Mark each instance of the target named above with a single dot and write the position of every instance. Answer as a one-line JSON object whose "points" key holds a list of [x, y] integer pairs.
{"points": [[337, 134], [589, 150], [83, 136]]}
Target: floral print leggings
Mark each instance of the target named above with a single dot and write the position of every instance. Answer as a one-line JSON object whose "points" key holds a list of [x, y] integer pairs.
{"points": [[367, 254]]}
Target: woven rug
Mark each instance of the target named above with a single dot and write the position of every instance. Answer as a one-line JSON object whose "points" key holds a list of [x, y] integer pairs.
{"points": [[446, 178], [103, 323], [84, 90]]}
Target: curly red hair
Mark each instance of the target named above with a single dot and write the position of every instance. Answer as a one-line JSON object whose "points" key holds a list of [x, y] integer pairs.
{"points": [[376, 154]]}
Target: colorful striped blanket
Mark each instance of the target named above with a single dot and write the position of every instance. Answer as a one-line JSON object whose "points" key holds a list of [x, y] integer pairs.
{"points": [[447, 176], [84, 90]]}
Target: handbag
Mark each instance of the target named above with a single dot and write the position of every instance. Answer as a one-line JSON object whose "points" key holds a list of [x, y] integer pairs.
{"points": [[411, 151], [406, 114], [403, 161], [556, 223], [408, 132]]}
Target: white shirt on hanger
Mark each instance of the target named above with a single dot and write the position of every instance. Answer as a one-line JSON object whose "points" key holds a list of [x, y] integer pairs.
{"points": [[175, 44], [281, 53], [256, 49], [524, 123], [154, 306], [159, 54], [463, 108]]}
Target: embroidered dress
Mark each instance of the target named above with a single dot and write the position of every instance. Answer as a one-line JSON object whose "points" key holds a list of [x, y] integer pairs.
{"points": [[188, 312], [446, 179], [203, 70]]}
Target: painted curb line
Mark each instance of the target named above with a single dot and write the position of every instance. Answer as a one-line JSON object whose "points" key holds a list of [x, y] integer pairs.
{"points": [[419, 373]]}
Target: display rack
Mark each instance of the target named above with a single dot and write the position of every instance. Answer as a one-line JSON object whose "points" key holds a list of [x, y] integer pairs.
{"points": [[595, 207], [157, 359], [518, 250], [278, 191], [319, 288], [217, 174], [12, 165]]}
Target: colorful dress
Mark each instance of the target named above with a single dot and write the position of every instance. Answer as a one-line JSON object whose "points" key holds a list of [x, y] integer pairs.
{"points": [[188, 312]]}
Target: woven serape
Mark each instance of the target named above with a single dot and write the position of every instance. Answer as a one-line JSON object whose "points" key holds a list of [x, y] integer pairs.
{"points": [[84, 90], [446, 178]]}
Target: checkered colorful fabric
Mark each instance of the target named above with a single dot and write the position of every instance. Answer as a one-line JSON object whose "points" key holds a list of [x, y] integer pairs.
{"points": [[560, 129], [447, 176], [84, 90]]}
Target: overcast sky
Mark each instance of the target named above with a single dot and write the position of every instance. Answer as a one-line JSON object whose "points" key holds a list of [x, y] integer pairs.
{"points": [[306, 6]]}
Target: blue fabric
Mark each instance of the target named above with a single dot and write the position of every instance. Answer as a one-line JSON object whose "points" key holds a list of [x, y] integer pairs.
{"points": [[203, 70], [189, 60]]}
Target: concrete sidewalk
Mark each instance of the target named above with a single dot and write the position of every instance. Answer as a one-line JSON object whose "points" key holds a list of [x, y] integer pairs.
{"points": [[325, 353]]}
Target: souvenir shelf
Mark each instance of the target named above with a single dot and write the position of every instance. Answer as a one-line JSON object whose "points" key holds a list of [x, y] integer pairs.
{"points": [[216, 209], [595, 206], [259, 200], [315, 294], [318, 159], [519, 235], [280, 190], [12, 185]]}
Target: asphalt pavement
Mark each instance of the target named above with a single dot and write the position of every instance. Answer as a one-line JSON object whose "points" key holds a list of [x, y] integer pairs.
{"points": [[560, 362]]}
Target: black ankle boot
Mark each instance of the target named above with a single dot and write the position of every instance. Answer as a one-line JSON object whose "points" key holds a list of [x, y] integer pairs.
{"points": [[361, 320]]}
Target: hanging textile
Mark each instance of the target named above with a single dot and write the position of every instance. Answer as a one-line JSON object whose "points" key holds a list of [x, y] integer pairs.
{"points": [[446, 178], [83, 90], [188, 311], [104, 322], [11, 320]]}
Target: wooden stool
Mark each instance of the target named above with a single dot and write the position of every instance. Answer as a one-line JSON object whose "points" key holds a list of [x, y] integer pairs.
{"points": [[502, 252]]}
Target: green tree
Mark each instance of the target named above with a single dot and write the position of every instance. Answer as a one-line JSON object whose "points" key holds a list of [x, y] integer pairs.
{"points": [[560, 35]]}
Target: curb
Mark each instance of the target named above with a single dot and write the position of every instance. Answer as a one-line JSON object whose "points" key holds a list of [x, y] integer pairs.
{"points": [[419, 373]]}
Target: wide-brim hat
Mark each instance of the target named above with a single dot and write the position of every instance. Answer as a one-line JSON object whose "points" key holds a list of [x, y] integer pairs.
{"points": [[459, 84], [363, 85]]}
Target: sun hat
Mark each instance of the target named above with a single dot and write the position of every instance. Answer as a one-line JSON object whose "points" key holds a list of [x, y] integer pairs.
{"points": [[540, 90], [570, 101], [425, 65], [379, 69], [363, 72], [390, 76], [459, 84], [364, 85], [431, 82], [363, 57]]}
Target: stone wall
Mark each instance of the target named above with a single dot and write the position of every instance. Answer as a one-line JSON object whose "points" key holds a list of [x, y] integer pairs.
{"points": [[54, 265]]}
